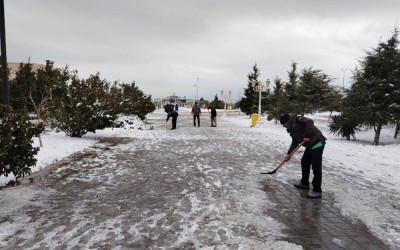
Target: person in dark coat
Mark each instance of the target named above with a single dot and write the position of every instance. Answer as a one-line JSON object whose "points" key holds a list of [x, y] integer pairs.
{"points": [[303, 129], [213, 117], [172, 113], [167, 108], [196, 111]]}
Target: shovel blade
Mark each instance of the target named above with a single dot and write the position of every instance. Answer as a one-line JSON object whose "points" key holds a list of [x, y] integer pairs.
{"points": [[271, 172]]}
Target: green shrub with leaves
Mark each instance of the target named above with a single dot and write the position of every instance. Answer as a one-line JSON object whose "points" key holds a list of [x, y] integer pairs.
{"points": [[344, 126], [81, 106], [135, 102], [216, 103], [17, 155]]}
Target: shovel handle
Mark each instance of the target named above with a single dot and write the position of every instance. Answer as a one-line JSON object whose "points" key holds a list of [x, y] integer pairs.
{"points": [[280, 165], [299, 146]]}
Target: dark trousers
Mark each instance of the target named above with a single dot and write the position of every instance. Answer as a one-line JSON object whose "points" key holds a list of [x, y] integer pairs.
{"points": [[174, 122], [312, 157], [198, 120]]}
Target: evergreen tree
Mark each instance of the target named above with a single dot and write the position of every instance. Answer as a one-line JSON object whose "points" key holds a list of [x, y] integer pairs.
{"points": [[278, 101], [333, 101], [135, 102], [216, 103], [290, 101], [20, 87], [249, 103], [373, 98], [313, 90], [344, 125], [45, 79]]}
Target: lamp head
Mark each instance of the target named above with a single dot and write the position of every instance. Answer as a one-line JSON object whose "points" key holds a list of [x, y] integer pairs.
{"points": [[253, 83], [268, 82]]}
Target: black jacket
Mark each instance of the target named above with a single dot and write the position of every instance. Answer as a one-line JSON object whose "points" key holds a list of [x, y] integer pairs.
{"points": [[213, 113], [302, 127], [172, 114]]}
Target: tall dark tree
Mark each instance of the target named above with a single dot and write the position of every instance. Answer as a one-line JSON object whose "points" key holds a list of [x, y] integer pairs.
{"points": [[333, 101], [135, 102], [249, 103], [291, 98], [373, 98], [380, 75], [21, 86], [46, 78], [216, 103], [313, 90], [278, 101]]}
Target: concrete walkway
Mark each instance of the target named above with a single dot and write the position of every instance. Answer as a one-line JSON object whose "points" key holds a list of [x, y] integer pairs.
{"points": [[188, 188], [316, 224]]}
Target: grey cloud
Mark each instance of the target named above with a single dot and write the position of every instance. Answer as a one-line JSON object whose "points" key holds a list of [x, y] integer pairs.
{"points": [[166, 45]]}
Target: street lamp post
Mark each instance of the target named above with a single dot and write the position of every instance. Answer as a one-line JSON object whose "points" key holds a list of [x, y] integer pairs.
{"points": [[344, 73], [225, 96], [196, 91], [161, 102], [4, 73], [197, 96], [260, 88]]}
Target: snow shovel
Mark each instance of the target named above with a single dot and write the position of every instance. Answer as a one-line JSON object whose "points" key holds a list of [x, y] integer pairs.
{"points": [[280, 165]]}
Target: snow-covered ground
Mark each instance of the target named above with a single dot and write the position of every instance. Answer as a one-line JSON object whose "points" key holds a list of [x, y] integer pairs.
{"points": [[57, 145], [364, 179]]}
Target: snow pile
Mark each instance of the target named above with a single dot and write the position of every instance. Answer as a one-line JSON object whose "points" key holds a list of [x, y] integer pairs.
{"points": [[129, 122]]}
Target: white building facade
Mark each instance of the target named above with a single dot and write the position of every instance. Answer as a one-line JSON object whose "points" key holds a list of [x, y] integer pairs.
{"points": [[174, 99]]}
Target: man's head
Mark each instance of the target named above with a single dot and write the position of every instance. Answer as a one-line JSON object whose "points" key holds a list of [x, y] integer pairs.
{"points": [[284, 119]]}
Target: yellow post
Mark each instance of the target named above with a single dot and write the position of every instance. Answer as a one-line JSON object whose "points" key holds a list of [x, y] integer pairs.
{"points": [[254, 118]]}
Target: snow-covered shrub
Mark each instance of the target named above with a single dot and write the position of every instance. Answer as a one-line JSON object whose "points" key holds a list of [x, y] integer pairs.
{"points": [[17, 155], [135, 102], [81, 106]]}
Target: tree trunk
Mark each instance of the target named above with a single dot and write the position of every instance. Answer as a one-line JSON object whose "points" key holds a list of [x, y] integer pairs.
{"points": [[397, 129], [377, 134], [330, 116], [40, 140]]}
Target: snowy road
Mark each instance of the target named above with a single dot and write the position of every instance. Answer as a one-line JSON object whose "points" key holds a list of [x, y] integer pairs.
{"points": [[188, 188]]}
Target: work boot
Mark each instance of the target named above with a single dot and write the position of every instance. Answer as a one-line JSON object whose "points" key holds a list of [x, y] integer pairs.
{"points": [[314, 195], [302, 186]]}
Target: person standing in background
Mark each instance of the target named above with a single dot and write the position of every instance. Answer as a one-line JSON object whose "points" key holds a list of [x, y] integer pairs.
{"points": [[213, 117], [196, 114]]}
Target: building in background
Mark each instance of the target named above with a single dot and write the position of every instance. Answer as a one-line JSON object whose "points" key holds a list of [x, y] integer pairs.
{"points": [[174, 99], [14, 67]]}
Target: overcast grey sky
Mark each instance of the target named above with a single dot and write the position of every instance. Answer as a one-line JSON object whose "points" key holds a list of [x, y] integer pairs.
{"points": [[166, 45]]}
